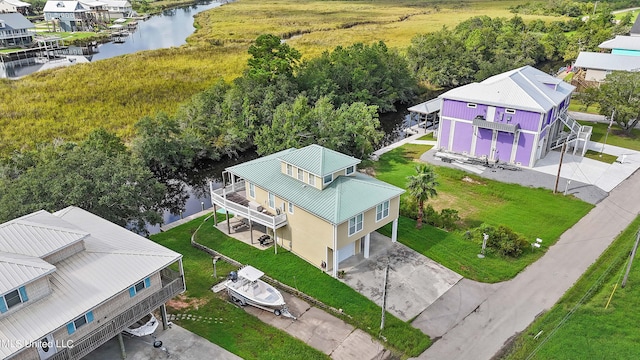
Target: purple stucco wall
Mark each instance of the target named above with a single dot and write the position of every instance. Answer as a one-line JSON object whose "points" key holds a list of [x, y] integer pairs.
{"points": [[504, 144], [462, 137], [525, 146], [443, 138], [459, 110], [528, 120], [483, 143]]}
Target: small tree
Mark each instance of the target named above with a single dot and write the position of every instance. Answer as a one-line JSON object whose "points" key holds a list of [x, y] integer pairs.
{"points": [[422, 186], [621, 92]]}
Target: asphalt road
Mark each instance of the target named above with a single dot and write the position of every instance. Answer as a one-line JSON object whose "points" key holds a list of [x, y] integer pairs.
{"points": [[515, 304]]}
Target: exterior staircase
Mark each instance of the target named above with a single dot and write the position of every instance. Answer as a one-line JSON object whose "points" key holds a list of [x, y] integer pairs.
{"points": [[577, 135]]}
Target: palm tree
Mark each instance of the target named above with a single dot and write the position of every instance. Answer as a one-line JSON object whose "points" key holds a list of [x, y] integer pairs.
{"points": [[422, 186]]}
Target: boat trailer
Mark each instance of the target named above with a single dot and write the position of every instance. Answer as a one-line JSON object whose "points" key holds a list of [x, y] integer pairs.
{"points": [[243, 301]]}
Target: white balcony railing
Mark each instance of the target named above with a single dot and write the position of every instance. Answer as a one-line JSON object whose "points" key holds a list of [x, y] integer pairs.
{"points": [[218, 197]]}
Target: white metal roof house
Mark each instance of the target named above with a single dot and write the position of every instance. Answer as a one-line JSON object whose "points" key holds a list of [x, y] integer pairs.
{"points": [[70, 281], [313, 201], [14, 6], [118, 8], [515, 117], [624, 56], [68, 15]]}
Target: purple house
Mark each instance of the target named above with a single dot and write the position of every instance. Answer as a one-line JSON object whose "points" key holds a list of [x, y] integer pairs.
{"points": [[514, 117]]}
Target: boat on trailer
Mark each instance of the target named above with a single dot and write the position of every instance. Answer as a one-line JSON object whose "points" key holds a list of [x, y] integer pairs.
{"points": [[245, 288]]}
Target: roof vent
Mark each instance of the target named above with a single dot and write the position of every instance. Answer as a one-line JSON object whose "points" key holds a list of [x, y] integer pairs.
{"points": [[1, 24]]}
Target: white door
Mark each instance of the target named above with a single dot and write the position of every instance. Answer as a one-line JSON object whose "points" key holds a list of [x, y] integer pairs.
{"points": [[346, 251], [491, 113]]}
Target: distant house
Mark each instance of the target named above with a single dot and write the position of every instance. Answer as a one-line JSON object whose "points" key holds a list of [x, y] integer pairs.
{"points": [[15, 31], [312, 201], [514, 117], [635, 29], [622, 45], [118, 8], [14, 6], [97, 10], [624, 56], [67, 15], [70, 281]]}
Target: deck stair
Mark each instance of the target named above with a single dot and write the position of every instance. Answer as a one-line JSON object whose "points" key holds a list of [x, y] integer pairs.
{"points": [[578, 135]]}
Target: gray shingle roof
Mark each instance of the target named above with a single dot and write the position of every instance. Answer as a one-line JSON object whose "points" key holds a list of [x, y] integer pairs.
{"points": [[344, 198], [15, 21], [113, 260], [524, 88], [622, 42], [610, 62], [319, 160]]}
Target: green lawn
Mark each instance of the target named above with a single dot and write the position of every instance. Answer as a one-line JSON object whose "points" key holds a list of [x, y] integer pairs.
{"points": [[579, 326], [616, 136], [532, 212], [289, 269], [596, 155], [237, 331], [429, 136]]}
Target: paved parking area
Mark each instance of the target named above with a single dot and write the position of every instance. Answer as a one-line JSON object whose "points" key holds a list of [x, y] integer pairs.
{"points": [[414, 281], [177, 344]]}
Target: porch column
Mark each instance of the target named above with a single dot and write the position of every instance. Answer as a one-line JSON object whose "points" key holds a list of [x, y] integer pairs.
{"points": [[215, 215], [367, 242], [275, 240], [163, 314], [334, 271], [228, 226], [123, 354], [394, 231]]}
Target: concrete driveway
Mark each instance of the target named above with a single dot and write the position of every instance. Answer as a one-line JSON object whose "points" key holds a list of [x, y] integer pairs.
{"points": [[178, 344], [414, 281]]}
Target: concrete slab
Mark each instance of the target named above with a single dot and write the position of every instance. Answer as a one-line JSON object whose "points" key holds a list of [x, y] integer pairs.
{"points": [[178, 344], [414, 281], [452, 307], [358, 345]]}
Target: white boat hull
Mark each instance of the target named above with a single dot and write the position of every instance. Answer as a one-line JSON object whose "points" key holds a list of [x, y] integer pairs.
{"points": [[143, 327]]}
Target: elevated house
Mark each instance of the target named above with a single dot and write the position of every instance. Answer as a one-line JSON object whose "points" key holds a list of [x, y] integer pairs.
{"points": [[14, 6], [312, 201], [15, 31], [70, 281], [67, 15], [515, 117], [97, 10], [623, 55], [118, 8]]}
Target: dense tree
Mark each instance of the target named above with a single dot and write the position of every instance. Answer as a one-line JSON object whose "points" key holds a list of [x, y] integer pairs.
{"points": [[421, 187], [350, 129], [372, 74], [271, 58], [98, 175], [621, 93]]}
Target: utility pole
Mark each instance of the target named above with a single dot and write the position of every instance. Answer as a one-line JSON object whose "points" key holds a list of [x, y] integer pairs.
{"points": [[564, 147], [607, 134], [633, 255]]}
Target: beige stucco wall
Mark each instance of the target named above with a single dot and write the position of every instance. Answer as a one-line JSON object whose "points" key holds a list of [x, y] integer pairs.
{"points": [[595, 75], [36, 290], [369, 223], [318, 180]]}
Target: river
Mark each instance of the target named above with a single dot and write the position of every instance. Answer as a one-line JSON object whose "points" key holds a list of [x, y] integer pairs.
{"points": [[167, 29]]}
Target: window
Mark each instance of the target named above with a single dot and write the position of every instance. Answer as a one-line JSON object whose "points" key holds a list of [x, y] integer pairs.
{"points": [[272, 201], [79, 322], [300, 175], [355, 224], [252, 191], [327, 179], [312, 179], [290, 207], [289, 170], [350, 170], [139, 287], [510, 111], [13, 298], [382, 210], [473, 106]]}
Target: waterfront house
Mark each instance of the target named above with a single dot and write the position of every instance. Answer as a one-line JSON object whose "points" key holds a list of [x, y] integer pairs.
{"points": [[97, 10], [71, 280], [312, 201], [118, 8], [67, 15], [15, 31], [14, 6], [623, 55], [515, 117]]}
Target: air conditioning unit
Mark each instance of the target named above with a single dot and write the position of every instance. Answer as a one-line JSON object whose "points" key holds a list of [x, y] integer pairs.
{"points": [[255, 206], [46, 347]]}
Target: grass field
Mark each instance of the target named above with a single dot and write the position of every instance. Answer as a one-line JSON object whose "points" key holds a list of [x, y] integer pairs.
{"points": [[287, 268], [479, 200], [237, 331], [616, 136], [595, 155], [580, 326], [115, 93]]}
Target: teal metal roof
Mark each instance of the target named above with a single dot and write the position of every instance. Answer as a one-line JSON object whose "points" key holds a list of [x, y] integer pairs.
{"points": [[341, 200], [318, 160]]}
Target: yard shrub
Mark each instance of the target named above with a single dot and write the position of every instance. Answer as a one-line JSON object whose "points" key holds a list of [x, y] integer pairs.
{"points": [[446, 219], [449, 218], [502, 240]]}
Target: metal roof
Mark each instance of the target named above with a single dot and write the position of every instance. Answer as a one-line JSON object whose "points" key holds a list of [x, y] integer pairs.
{"points": [[114, 259], [339, 201], [63, 6], [17, 270], [609, 62], [427, 107], [635, 29], [15, 21], [17, 3], [24, 236], [622, 42], [319, 160], [524, 88]]}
